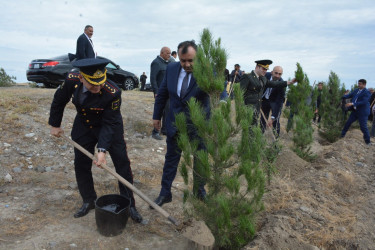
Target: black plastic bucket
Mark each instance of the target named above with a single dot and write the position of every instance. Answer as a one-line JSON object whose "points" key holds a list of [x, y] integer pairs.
{"points": [[111, 214]]}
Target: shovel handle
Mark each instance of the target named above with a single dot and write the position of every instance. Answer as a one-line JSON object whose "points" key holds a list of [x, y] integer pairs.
{"points": [[125, 182]]}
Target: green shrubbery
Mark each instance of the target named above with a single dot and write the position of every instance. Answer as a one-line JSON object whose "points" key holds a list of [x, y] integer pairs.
{"points": [[232, 161], [6, 80]]}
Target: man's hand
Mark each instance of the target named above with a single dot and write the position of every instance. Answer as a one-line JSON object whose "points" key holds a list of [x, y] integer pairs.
{"points": [[56, 131], [294, 80], [269, 123], [157, 124], [349, 104], [101, 160]]}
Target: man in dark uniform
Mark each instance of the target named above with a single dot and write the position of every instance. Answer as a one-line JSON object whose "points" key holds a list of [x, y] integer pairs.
{"points": [[98, 122], [85, 46], [272, 100], [255, 83]]}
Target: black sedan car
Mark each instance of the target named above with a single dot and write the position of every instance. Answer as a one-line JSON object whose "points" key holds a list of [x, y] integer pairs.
{"points": [[52, 72]]}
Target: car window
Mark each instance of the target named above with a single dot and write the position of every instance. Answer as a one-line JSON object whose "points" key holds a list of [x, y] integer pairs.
{"points": [[111, 66]]}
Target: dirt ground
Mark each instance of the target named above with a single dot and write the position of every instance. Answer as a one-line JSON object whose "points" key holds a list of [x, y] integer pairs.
{"points": [[326, 204]]}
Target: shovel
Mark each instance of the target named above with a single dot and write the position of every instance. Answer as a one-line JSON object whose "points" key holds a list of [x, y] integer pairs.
{"points": [[125, 182]]}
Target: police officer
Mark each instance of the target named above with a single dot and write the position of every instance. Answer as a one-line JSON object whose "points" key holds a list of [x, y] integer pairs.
{"points": [[98, 122], [255, 83]]}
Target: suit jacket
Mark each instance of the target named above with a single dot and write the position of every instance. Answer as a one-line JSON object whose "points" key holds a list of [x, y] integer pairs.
{"points": [[254, 88], [84, 48], [277, 97], [158, 67], [168, 90], [361, 102]]}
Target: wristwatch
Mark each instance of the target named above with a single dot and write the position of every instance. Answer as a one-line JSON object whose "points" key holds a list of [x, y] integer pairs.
{"points": [[102, 150]]}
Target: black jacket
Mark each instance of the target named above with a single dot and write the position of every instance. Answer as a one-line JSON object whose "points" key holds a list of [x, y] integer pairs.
{"points": [[99, 113], [84, 48]]}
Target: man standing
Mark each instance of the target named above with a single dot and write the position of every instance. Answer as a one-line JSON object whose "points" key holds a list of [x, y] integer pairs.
{"points": [[179, 86], [235, 75], [360, 109], [272, 100], [318, 102], [255, 83], [174, 55], [85, 47], [158, 67], [143, 81], [98, 122]]}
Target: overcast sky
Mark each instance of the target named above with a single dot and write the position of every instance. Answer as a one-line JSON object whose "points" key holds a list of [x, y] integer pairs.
{"points": [[322, 35]]}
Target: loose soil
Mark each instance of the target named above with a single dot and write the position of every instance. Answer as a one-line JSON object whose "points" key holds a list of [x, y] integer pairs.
{"points": [[325, 204]]}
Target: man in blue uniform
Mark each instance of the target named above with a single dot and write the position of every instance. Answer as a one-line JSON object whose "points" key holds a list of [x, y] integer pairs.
{"points": [[360, 107], [98, 122]]}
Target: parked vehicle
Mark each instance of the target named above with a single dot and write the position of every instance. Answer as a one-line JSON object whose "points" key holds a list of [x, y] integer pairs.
{"points": [[52, 72]]}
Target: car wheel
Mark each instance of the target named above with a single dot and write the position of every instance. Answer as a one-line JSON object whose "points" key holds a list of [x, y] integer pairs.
{"points": [[129, 84]]}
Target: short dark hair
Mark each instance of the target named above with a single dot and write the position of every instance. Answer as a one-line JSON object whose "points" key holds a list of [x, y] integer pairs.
{"points": [[362, 81], [320, 83], [88, 26], [185, 45], [174, 53], [237, 65]]}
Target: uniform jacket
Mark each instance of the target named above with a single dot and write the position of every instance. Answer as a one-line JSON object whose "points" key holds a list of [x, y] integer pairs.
{"points": [[277, 97], [158, 67], [99, 113], [84, 48], [361, 103], [168, 89], [254, 88]]}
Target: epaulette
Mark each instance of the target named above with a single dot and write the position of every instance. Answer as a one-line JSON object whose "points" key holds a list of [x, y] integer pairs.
{"points": [[110, 88], [73, 76]]}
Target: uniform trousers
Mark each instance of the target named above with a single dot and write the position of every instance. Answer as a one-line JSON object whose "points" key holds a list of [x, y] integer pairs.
{"points": [[82, 164]]}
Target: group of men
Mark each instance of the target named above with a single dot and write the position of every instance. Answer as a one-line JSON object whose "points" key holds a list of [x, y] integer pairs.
{"points": [[98, 122]]}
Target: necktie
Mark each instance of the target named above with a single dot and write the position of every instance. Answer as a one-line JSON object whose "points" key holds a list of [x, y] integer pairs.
{"points": [[356, 96], [184, 85], [267, 93]]}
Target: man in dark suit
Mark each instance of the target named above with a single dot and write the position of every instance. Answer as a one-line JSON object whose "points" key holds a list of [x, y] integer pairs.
{"points": [[98, 122], [179, 86], [255, 83], [85, 47], [272, 100], [158, 67], [360, 109]]}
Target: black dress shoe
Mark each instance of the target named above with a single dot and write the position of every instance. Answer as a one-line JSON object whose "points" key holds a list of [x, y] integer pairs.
{"points": [[86, 207], [161, 200], [135, 215]]}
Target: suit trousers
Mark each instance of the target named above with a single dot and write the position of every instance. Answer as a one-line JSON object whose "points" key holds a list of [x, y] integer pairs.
{"points": [[362, 119], [267, 106], [172, 159], [83, 164]]}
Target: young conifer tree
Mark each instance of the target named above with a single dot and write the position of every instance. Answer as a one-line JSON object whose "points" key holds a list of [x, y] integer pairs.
{"points": [[231, 163], [333, 118], [300, 96]]}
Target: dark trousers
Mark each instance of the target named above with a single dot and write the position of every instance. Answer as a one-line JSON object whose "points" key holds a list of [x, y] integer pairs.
{"points": [[362, 124], [163, 129], [267, 107], [317, 115], [83, 164], [172, 158]]}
